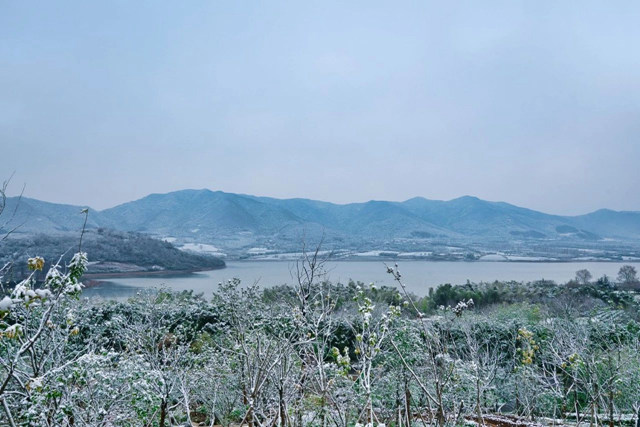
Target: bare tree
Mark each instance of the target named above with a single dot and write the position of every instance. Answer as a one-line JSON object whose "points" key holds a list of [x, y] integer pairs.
{"points": [[628, 276], [371, 334], [441, 367], [483, 358], [583, 276], [316, 324], [7, 218]]}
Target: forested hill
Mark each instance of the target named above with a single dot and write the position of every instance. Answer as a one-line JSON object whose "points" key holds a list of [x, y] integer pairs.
{"points": [[109, 252], [231, 221]]}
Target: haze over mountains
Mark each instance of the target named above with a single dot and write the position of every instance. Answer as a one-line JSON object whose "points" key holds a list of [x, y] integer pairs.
{"points": [[237, 223]]}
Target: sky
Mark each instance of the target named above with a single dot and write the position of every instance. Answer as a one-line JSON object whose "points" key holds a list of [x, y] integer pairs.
{"points": [[535, 103]]}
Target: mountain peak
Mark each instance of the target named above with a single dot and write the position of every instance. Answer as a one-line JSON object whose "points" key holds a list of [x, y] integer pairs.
{"points": [[467, 197]]}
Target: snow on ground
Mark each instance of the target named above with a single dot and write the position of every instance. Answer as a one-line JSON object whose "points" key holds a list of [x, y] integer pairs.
{"points": [[493, 257], [202, 248], [415, 254], [591, 251], [529, 258], [199, 247], [260, 251], [376, 253], [271, 256]]}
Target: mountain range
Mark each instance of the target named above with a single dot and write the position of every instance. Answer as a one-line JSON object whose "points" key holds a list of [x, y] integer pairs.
{"points": [[236, 222]]}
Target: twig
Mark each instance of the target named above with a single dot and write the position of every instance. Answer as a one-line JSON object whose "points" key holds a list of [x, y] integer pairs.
{"points": [[85, 211]]}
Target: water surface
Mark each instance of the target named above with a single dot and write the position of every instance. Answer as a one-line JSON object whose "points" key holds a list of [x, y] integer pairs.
{"points": [[419, 276]]}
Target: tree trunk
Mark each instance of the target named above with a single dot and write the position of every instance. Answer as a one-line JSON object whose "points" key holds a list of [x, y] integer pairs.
{"points": [[407, 403], [163, 413], [300, 405], [517, 400], [478, 408], [440, 418], [245, 399], [283, 410], [250, 415], [611, 423], [323, 410], [440, 414], [575, 402]]}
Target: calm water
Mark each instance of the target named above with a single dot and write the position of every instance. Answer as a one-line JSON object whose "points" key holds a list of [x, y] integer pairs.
{"points": [[419, 276]]}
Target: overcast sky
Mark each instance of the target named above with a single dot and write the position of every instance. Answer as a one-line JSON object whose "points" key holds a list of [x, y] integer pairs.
{"points": [[534, 103]]}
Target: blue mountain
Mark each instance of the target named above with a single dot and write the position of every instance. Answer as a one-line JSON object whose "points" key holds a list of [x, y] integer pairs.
{"points": [[238, 220]]}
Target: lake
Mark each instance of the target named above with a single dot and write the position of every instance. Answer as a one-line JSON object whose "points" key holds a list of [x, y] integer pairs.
{"points": [[419, 276]]}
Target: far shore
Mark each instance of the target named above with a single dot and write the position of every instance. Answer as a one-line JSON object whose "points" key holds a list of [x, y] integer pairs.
{"points": [[407, 259], [150, 273]]}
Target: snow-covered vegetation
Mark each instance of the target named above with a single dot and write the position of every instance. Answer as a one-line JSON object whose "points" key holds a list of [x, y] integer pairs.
{"points": [[111, 252], [317, 353]]}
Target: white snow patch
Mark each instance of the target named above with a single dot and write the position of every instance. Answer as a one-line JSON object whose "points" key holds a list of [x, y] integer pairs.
{"points": [[376, 253], [202, 248], [492, 257], [260, 251], [6, 304], [288, 256], [199, 247], [415, 254], [592, 251], [529, 258]]}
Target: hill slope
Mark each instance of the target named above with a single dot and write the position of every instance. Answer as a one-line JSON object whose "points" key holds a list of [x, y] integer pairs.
{"points": [[234, 221], [108, 251]]}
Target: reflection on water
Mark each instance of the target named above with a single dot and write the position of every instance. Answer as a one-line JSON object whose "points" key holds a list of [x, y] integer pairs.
{"points": [[109, 290], [419, 276]]}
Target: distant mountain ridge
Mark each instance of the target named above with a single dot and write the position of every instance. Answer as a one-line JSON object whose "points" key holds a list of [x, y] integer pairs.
{"points": [[237, 220]]}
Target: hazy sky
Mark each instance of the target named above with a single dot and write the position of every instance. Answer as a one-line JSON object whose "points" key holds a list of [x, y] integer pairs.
{"points": [[535, 103]]}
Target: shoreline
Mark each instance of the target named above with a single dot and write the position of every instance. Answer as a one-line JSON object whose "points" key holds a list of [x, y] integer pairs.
{"points": [[398, 260], [151, 273]]}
